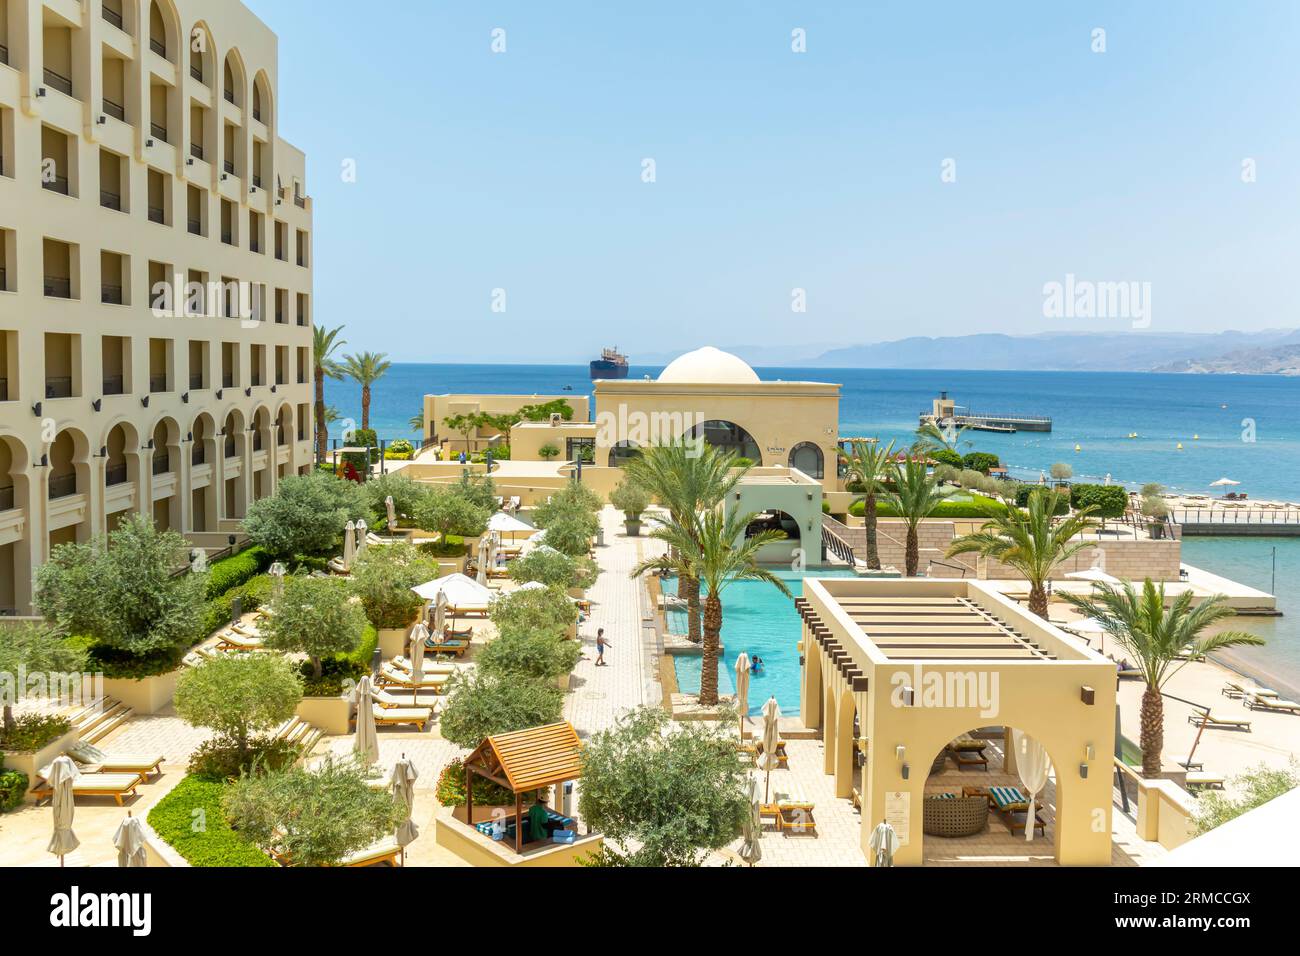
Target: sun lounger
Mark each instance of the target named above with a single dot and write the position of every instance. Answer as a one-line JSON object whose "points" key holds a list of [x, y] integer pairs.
{"points": [[1204, 781], [791, 808], [115, 785], [1276, 704], [229, 640], [91, 759], [406, 698], [385, 852], [967, 742], [1233, 690], [1187, 763], [754, 750], [1009, 801], [1223, 723], [389, 675], [455, 646], [969, 759], [403, 663], [417, 717]]}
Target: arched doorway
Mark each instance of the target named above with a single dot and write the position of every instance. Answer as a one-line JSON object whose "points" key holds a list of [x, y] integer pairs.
{"points": [[623, 452], [203, 458], [15, 555], [68, 475], [729, 437], [808, 458], [234, 443]]}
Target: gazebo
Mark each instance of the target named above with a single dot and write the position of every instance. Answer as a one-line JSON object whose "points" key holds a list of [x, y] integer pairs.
{"points": [[522, 761]]}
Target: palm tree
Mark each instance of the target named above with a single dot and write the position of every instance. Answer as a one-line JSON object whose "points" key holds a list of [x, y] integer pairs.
{"points": [[687, 477], [417, 423], [1161, 640], [324, 342], [366, 368], [1029, 540], [931, 437], [718, 553], [867, 464], [914, 496]]}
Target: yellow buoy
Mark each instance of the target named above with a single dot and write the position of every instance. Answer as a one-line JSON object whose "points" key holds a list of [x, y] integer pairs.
{"points": [[1196, 438], [1180, 446], [1077, 448]]}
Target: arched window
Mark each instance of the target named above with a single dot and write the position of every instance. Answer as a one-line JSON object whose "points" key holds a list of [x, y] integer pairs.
{"points": [[622, 453], [808, 458], [773, 521], [730, 437]]}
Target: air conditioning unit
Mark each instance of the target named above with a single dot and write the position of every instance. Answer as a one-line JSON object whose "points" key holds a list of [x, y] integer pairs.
{"points": [[556, 418]]}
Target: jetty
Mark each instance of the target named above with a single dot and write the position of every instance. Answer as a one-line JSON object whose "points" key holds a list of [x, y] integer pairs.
{"points": [[944, 412]]}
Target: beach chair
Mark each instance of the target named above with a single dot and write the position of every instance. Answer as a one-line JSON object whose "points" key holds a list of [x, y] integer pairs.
{"points": [[457, 647], [115, 785], [1008, 801], [392, 676], [389, 699], [231, 641], [1277, 705], [1187, 763], [403, 663], [416, 717], [386, 851], [468, 610], [1200, 780], [1233, 690], [1222, 723], [793, 810], [93, 760]]}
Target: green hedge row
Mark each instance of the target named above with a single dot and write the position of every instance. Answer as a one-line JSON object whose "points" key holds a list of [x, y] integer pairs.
{"points": [[13, 787], [1062, 499], [235, 570], [948, 509], [191, 821], [1110, 501]]}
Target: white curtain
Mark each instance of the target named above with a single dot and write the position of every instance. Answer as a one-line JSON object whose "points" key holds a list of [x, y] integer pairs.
{"points": [[1033, 765]]}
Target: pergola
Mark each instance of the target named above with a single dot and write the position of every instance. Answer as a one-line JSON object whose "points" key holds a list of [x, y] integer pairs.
{"points": [[522, 761]]}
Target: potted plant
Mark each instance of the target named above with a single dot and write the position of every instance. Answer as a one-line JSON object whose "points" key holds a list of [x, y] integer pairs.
{"points": [[548, 451], [631, 499], [1156, 510]]}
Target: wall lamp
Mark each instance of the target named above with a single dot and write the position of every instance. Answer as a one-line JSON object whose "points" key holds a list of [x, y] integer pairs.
{"points": [[145, 401], [97, 404], [36, 409], [185, 398], [1087, 695], [103, 451], [219, 391], [248, 392], [45, 461]]}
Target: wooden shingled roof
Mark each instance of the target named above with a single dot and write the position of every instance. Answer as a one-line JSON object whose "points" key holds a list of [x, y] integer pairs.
{"points": [[531, 759]]}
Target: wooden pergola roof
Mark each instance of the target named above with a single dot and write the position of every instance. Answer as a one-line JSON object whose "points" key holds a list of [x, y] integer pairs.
{"points": [[530, 759]]}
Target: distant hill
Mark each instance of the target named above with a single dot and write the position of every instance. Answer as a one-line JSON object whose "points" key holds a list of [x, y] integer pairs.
{"points": [[1277, 360]]}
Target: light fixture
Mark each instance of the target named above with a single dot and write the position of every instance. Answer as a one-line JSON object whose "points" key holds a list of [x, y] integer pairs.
{"points": [[148, 143], [40, 92], [102, 119], [900, 752], [1088, 752], [145, 401], [149, 446], [1087, 695], [103, 451], [248, 392], [1083, 771], [97, 404], [189, 436], [36, 409], [906, 771], [909, 697], [219, 391], [185, 398], [45, 461]]}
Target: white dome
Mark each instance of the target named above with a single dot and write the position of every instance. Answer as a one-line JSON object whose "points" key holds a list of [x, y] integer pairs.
{"points": [[709, 366]]}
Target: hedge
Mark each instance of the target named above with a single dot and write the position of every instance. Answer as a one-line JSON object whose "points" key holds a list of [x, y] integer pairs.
{"points": [[1062, 499], [235, 570], [1110, 501], [946, 456], [975, 508], [213, 843], [980, 461], [13, 787]]}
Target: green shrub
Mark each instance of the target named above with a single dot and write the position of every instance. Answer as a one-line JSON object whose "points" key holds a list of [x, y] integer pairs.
{"points": [[453, 546], [406, 492], [316, 617], [546, 566], [221, 759], [341, 671], [1109, 501], [1062, 498], [570, 535], [542, 654], [975, 508], [191, 820], [235, 570], [115, 664], [946, 456], [13, 788], [306, 515], [548, 451], [31, 732], [450, 789], [980, 461], [1254, 788], [361, 438], [239, 697], [533, 610], [382, 578], [401, 447], [481, 706], [630, 498]]}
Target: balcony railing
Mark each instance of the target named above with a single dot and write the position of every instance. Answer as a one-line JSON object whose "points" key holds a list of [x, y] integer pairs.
{"points": [[199, 455], [7, 498], [197, 73], [115, 110], [158, 383], [257, 113], [227, 380], [114, 385], [196, 227], [115, 475], [4, 279], [229, 166], [257, 180], [58, 387], [110, 294], [158, 214], [4, 54], [4, 389], [196, 150], [254, 245], [61, 486], [58, 287], [113, 17], [230, 96], [158, 131], [279, 317], [230, 448], [110, 200], [227, 237], [162, 464], [159, 47], [59, 184], [257, 440], [58, 81]]}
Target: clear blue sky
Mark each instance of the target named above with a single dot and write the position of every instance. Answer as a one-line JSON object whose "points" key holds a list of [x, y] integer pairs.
{"points": [[777, 170]]}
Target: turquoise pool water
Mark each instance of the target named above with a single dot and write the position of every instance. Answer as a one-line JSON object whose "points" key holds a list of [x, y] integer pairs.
{"points": [[757, 619]]}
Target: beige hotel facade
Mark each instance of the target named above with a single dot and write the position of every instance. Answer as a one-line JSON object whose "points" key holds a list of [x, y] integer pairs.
{"points": [[139, 154]]}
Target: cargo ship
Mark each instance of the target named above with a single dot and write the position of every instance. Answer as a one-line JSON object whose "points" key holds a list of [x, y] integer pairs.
{"points": [[611, 364]]}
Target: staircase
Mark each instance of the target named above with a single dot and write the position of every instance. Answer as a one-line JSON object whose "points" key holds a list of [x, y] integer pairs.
{"points": [[100, 718], [300, 734]]}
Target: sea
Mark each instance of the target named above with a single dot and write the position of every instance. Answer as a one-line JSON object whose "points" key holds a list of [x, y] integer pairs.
{"points": [[1189, 430]]}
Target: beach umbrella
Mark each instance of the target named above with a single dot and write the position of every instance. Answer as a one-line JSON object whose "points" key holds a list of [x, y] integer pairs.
{"points": [[349, 544], [403, 784], [461, 591], [883, 843], [60, 778], [751, 828], [362, 535], [129, 840], [1224, 483], [482, 577], [742, 688], [503, 523], [1033, 764], [771, 737], [1088, 625], [366, 743], [418, 636], [277, 572], [440, 618], [392, 514]]}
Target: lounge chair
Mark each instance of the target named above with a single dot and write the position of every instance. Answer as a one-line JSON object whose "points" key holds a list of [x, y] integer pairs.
{"points": [[967, 742], [1187, 763], [458, 647], [1204, 781], [468, 610], [115, 785], [1233, 690], [791, 808], [754, 750], [403, 663], [969, 759], [1009, 801], [229, 640], [416, 717], [93, 760], [386, 851], [405, 698], [389, 675], [1277, 705], [1223, 723]]}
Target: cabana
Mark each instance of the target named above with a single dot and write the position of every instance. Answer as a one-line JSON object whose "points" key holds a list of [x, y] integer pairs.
{"points": [[524, 761]]}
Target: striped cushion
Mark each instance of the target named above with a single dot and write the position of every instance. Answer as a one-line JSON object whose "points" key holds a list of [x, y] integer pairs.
{"points": [[1008, 797], [941, 796]]}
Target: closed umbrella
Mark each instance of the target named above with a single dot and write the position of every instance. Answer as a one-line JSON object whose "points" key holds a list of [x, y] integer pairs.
{"points": [[277, 572], [418, 637], [392, 514], [61, 776], [742, 688], [883, 843], [482, 561], [771, 737], [1033, 764], [403, 784], [349, 544], [367, 739], [751, 828], [440, 618], [362, 536], [129, 840]]}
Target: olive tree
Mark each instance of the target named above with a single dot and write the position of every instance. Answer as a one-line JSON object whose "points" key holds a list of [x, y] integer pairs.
{"points": [[316, 617], [481, 705], [544, 655], [32, 649], [533, 610], [382, 577], [239, 696], [306, 515], [546, 566], [449, 511]]}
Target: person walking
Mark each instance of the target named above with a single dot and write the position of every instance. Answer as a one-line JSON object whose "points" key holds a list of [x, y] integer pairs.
{"points": [[601, 644]]}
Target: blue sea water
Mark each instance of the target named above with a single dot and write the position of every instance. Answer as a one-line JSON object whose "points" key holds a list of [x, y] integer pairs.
{"points": [[1255, 439]]}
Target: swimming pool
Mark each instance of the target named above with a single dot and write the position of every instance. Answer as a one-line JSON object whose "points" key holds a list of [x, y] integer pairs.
{"points": [[757, 619]]}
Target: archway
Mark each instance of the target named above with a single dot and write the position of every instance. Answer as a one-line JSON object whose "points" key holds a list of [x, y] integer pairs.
{"points": [[164, 30], [15, 556], [68, 474], [165, 446], [774, 520], [808, 458], [233, 78], [202, 54], [623, 452], [234, 444], [203, 488], [729, 437]]}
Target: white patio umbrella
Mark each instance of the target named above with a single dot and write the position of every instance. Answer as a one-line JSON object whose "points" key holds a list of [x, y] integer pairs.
{"points": [[418, 636], [403, 783], [771, 737], [61, 776], [1224, 483], [366, 743], [460, 590], [1095, 575], [742, 688], [883, 843], [1088, 625], [129, 840], [440, 618], [349, 544], [1033, 764], [508, 524], [392, 514], [751, 828], [482, 577]]}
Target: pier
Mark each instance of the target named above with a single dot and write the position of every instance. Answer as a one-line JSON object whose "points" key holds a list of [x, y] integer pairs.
{"points": [[945, 412], [1243, 522]]}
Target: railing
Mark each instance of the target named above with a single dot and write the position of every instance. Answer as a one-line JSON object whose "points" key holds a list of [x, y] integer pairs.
{"points": [[115, 110], [115, 475], [159, 47], [944, 564], [158, 214], [162, 464], [838, 546], [61, 486], [114, 385], [227, 237], [4, 54], [279, 317], [4, 389], [227, 379], [110, 200], [7, 498], [197, 73], [158, 383], [196, 227], [1247, 516], [110, 294], [59, 184], [230, 96], [280, 438], [4, 279], [58, 287], [254, 245], [257, 440], [196, 380], [257, 113], [196, 150], [300, 202], [113, 17], [257, 180], [58, 81], [199, 455], [160, 131], [229, 166]]}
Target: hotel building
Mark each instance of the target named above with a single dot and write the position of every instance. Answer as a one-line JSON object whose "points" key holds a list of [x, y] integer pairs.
{"points": [[155, 274]]}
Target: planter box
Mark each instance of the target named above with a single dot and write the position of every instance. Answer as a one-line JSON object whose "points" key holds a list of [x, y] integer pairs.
{"points": [[147, 696], [30, 763], [392, 641], [330, 714]]}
